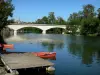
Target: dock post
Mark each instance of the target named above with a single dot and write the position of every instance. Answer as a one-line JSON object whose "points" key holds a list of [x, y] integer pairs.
{"points": [[50, 68]]}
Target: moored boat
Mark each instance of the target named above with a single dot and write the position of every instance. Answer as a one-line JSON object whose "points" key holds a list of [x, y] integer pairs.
{"points": [[45, 55], [7, 46]]}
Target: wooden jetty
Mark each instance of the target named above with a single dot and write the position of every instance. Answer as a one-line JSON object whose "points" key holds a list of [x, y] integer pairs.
{"points": [[14, 61]]}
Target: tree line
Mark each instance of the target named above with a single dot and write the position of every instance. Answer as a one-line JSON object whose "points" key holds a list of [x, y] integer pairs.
{"points": [[51, 19]]}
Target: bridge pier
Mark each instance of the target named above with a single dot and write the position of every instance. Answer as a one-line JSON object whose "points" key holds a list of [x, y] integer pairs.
{"points": [[15, 32], [62, 32], [44, 32]]}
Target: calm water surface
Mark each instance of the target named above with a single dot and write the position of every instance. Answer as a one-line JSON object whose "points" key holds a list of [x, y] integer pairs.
{"points": [[76, 55]]}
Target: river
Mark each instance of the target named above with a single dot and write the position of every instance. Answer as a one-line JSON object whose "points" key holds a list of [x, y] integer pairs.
{"points": [[76, 55]]}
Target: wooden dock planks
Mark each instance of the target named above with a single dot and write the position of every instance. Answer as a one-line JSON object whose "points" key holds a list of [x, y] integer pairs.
{"points": [[24, 60]]}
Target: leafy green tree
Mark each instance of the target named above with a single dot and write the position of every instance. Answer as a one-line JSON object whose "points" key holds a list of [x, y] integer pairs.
{"points": [[88, 11], [38, 21], [60, 21], [74, 19], [80, 15], [89, 26], [73, 16], [98, 30], [51, 18], [6, 9], [45, 20], [89, 22], [71, 29], [10, 21], [98, 13]]}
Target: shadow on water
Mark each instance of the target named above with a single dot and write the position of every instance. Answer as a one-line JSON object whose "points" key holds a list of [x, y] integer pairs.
{"points": [[34, 71]]}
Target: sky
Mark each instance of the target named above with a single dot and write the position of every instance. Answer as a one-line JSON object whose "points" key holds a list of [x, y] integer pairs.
{"points": [[31, 10]]}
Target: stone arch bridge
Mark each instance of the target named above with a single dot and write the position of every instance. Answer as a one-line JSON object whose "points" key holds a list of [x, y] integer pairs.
{"points": [[43, 27]]}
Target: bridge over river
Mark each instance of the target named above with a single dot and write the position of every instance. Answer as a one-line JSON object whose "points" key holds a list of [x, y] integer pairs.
{"points": [[43, 27]]}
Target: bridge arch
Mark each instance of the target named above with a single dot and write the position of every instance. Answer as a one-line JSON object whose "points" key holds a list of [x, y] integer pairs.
{"points": [[56, 30], [30, 29]]}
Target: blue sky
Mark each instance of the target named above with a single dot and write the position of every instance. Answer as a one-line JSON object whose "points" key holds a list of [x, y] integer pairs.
{"points": [[30, 10]]}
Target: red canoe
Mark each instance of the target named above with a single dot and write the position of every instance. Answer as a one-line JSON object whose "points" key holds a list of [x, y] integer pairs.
{"points": [[10, 46], [45, 55]]}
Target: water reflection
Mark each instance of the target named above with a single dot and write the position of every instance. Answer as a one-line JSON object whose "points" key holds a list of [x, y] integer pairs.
{"points": [[86, 48], [34, 42], [35, 38], [51, 46]]}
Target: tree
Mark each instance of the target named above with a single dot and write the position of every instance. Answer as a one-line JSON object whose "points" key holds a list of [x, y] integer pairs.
{"points": [[45, 20], [98, 13], [60, 21], [88, 11], [89, 26], [89, 21], [51, 18], [71, 29], [80, 15], [98, 30], [38, 21], [73, 16], [74, 19], [10, 21], [6, 9]]}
